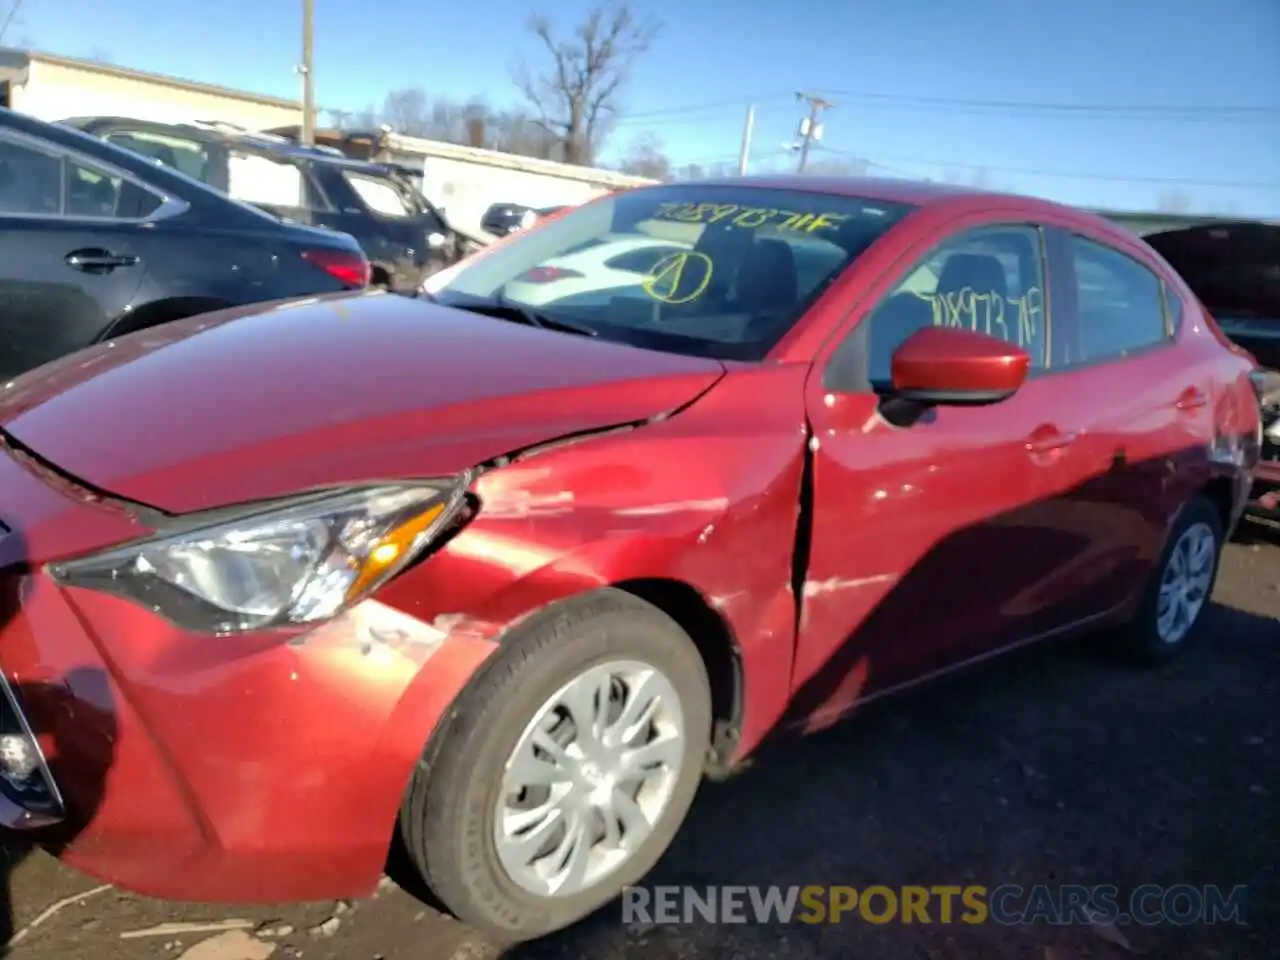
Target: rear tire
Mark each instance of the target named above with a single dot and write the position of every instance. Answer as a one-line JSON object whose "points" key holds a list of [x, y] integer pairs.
{"points": [[462, 802], [1172, 609]]}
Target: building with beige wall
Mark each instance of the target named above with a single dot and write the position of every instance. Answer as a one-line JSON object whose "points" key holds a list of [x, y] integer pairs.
{"points": [[51, 87]]}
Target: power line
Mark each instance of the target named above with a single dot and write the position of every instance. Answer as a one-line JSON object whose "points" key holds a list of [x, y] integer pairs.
{"points": [[736, 105], [1010, 109], [8, 20], [1217, 111], [1072, 175]]}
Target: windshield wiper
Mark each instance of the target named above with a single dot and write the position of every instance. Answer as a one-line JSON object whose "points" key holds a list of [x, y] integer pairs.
{"points": [[501, 307]]}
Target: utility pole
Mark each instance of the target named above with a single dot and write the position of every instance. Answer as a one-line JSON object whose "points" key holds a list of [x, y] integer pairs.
{"points": [[9, 17], [745, 155], [811, 126], [308, 79]]}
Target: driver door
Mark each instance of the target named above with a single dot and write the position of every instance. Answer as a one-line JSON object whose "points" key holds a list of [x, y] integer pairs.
{"points": [[929, 542]]}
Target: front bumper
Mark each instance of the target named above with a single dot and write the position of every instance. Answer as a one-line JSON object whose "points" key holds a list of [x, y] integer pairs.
{"points": [[255, 768]]}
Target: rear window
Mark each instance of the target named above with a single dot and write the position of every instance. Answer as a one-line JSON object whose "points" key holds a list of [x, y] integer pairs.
{"points": [[721, 271]]}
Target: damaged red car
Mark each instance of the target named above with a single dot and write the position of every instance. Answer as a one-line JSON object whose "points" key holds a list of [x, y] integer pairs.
{"points": [[1234, 269], [504, 571]]}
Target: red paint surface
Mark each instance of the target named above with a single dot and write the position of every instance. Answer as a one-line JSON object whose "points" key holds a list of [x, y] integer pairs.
{"points": [[953, 359], [246, 768]]}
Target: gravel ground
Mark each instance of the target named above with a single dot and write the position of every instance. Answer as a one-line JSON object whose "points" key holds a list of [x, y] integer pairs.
{"points": [[1050, 767]]}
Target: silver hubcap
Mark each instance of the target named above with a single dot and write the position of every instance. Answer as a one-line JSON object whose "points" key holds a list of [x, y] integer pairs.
{"points": [[1184, 586], [591, 775]]}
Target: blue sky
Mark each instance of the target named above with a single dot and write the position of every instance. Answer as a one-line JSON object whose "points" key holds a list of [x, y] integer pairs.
{"points": [[908, 78]]}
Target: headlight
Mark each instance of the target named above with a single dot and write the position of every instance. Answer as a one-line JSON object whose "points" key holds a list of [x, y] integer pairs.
{"points": [[528, 219], [287, 564]]}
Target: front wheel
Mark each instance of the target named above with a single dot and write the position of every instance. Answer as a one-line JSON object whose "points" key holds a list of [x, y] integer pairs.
{"points": [[1172, 608], [565, 770]]}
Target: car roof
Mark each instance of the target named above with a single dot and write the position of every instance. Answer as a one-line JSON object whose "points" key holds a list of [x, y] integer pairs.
{"points": [[921, 193], [205, 198], [252, 139]]}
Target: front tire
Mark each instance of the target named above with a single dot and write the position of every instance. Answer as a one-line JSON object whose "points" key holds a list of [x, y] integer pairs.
{"points": [[1173, 606], [564, 772]]}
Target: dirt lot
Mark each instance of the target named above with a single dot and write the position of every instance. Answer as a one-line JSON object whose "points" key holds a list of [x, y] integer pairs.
{"points": [[1051, 767]]}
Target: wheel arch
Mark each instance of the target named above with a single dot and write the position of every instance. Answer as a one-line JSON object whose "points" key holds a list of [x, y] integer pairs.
{"points": [[1221, 492], [718, 648]]}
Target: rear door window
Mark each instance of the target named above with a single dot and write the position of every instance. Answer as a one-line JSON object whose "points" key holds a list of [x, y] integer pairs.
{"points": [[1120, 303], [35, 181], [30, 179]]}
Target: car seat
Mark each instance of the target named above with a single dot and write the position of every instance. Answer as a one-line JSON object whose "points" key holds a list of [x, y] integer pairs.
{"points": [[980, 273], [768, 288]]}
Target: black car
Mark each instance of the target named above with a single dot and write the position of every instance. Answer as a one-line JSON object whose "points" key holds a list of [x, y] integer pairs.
{"points": [[1234, 269], [96, 242], [504, 218], [404, 236]]}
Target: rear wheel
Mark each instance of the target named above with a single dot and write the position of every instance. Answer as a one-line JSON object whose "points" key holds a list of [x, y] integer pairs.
{"points": [[1179, 591], [565, 770]]}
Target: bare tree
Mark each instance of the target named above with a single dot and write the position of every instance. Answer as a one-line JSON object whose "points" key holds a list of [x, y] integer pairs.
{"points": [[575, 98], [407, 111], [1174, 201], [647, 158], [410, 111]]}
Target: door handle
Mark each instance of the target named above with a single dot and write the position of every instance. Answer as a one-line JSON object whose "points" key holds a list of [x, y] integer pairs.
{"points": [[98, 261], [1049, 439], [1192, 398]]}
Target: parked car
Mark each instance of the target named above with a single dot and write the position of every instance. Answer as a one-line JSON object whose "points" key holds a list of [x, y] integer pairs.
{"points": [[1234, 269], [504, 218], [508, 578], [97, 242], [602, 266], [403, 235]]}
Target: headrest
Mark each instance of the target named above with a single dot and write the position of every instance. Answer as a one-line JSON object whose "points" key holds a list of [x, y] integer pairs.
{"points": [[979, 272], [767, 278]]}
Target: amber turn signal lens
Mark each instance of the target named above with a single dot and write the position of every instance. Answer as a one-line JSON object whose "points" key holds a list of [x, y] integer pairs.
{"points": [[392, 548]]}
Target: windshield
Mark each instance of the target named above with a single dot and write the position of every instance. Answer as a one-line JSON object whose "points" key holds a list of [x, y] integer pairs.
{"points": [[718, 271]]}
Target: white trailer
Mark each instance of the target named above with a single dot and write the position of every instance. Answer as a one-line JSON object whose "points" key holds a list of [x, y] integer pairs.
{"points": [[466, 181]]}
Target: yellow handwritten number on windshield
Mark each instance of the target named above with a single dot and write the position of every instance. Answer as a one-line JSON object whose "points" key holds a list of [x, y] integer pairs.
{"points": [[679, 278]]}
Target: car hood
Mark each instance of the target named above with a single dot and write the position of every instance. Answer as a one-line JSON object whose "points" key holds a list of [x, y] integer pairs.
{"points": [[259, 402]]}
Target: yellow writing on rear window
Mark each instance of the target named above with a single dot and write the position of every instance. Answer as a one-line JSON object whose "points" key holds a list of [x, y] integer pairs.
{"points": [[748, 218]]}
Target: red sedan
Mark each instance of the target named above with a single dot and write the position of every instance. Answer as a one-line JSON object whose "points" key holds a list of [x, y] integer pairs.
{"points": [[507, 572]]}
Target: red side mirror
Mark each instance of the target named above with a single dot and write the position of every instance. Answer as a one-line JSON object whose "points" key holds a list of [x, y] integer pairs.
{"points": [[951, 366]]}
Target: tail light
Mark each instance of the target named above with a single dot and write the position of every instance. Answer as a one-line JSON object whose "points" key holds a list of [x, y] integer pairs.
{"points": [[548, 275], [345, 266]]}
